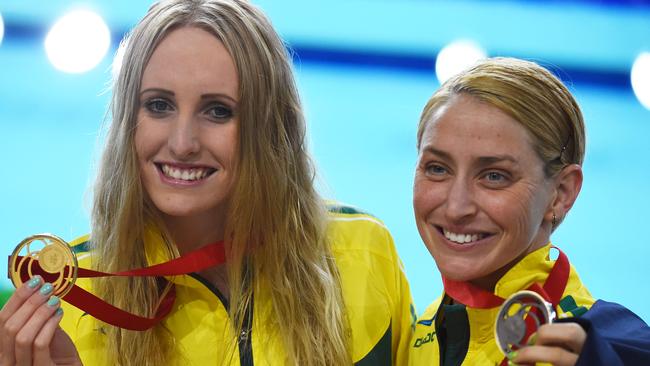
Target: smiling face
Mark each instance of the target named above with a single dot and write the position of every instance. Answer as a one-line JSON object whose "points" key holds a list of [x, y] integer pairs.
{"points": [[186, 136], [480, 193]]}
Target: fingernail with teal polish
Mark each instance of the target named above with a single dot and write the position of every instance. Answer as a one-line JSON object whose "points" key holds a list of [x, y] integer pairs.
{"points": [[512, 355], [510, 363], [46, 289], [58, 312], [53, 301], [34, 282]]}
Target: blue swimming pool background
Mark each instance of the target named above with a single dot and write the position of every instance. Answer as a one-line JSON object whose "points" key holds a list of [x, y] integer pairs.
{"points": [[362, 71]]}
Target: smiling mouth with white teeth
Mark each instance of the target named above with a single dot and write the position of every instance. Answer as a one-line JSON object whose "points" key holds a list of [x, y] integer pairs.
{"points": [[186, 174], [462, 238]]}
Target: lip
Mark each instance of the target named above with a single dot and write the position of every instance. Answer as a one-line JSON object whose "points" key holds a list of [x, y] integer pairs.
{"points": [[463, 247], [179, 182], [183, 165]]}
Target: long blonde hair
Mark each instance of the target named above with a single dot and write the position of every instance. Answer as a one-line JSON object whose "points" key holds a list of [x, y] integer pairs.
{"points": [[276, 224]]}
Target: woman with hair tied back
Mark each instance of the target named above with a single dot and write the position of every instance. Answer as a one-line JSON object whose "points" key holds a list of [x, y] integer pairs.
{"points": [[207, 144], [500, 152]]}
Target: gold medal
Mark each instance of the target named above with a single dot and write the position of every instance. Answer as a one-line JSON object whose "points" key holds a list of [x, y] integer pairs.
{"points": [[49, 253], [53, 259]]}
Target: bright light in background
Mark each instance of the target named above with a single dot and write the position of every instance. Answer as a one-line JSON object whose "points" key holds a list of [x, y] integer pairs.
{"points": [[457, 56], [640, 77], [2, 28], [78, 41]]}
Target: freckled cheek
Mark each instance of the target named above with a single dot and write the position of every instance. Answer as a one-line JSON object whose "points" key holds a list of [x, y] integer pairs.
{"points": [[232, 158], [225, 155], [224, 144], [523, 223], [422, 208], [512, 213], [148, 139], [427, 196], [140, 145]]}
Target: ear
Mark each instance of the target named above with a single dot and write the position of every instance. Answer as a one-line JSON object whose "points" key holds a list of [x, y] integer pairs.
{"points": [[567, 187]]}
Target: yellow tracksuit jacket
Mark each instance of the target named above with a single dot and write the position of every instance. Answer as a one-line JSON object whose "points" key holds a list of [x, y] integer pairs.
{"points": [[376, 295], [483, 349]]}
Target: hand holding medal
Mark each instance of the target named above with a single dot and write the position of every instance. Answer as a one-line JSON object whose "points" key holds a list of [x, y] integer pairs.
{"points": [[521, 314], [526, 330], [47, 255], [53, 259]]}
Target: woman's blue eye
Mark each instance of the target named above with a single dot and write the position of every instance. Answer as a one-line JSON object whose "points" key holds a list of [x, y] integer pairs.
{"points": [[220, 112], [435, 170], [495, 177], [158, 106]]}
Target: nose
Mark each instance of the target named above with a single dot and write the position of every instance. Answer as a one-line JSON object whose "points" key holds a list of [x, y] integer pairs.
{"points": [[460, 205], [183, 138]]}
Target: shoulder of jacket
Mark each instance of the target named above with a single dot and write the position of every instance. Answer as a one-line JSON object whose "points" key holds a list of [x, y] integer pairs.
{"points": [[355, 233], [81, 244], [341, 213], [429, 315], [81, 247]]}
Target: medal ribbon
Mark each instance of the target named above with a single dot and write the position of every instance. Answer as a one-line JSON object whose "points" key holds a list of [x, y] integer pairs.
{"points": [[475, 297], [195, 261]]}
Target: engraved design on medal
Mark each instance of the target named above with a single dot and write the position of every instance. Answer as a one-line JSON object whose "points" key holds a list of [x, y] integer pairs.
{"points": [[46, 255], [52, 258], [519, 317]]}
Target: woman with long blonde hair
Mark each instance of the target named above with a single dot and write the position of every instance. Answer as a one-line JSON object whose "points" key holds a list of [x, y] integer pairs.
{"points": [[207, 143]]}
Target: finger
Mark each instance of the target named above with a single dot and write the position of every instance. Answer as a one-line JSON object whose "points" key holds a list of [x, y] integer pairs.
{"points": [[557, 356], [44, 338], [569, 336], [13, 314], [25, 343], [21, 315], [21, 295]]}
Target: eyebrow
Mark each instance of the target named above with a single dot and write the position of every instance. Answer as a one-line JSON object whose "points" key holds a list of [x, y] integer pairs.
{"points": [[482, 160], [488, 160], [434, 151], [203, 96]]}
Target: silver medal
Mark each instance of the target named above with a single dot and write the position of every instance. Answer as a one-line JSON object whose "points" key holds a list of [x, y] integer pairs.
{"points": [[511, 329]]}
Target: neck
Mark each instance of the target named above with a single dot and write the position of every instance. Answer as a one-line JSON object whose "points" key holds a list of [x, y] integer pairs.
{"points": [[190, 233], [489, 282]]}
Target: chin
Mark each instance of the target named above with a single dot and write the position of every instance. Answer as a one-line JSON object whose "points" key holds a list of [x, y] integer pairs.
{"points": [[177, 212], [457, 271], [456, 276], [177, 209]]}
